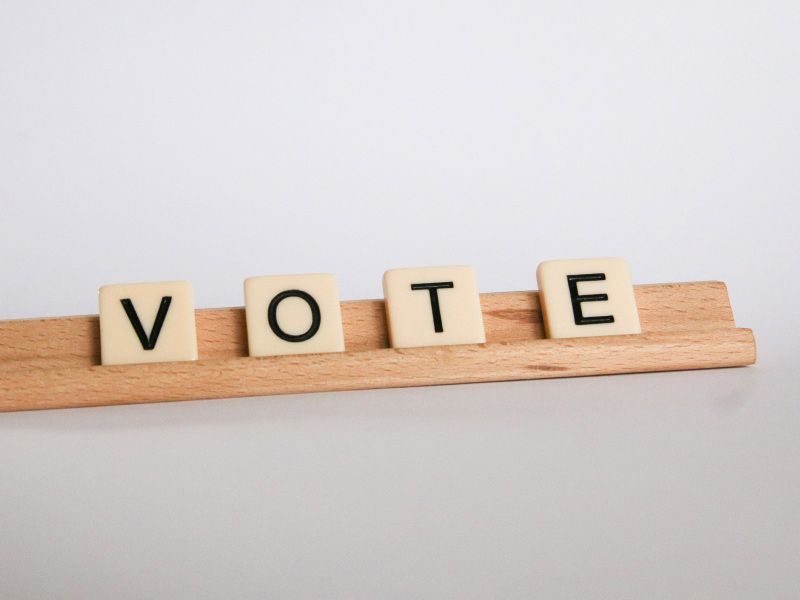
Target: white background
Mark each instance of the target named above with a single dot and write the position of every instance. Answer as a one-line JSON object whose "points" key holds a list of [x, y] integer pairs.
{"points": [[214, 141]]}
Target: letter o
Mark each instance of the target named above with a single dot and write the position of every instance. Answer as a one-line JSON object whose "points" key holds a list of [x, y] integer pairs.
{"points": [[272, 316]]}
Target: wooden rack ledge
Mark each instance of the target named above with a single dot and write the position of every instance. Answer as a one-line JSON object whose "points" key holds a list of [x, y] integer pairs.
{"points": [[55, 363]]}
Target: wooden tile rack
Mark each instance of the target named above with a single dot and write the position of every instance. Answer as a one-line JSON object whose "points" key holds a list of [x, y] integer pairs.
{"points": [[55, 362]]}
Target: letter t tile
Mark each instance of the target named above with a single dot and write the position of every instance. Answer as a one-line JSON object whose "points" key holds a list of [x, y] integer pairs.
{"points": [[433, 306]]}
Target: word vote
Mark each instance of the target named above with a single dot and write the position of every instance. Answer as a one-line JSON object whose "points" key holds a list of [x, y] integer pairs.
{"points": [[300, 314]]}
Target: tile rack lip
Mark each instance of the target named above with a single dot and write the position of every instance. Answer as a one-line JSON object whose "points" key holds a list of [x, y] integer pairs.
{"points": [[54, 362]]}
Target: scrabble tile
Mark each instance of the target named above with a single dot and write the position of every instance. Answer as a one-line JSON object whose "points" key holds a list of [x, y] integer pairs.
{"points": [[293, 314], [147, 322], [587, 297], [433, 306]]}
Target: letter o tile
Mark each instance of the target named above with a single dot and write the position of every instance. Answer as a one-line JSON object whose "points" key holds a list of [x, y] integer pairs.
{"points": [[293, 314]]}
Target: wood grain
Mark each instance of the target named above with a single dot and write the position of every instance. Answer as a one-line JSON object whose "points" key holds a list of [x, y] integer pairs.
{"points": [[51, 363]]}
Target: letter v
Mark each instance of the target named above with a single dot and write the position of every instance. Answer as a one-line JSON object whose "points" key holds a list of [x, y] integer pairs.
{"points": [[148, 343]]}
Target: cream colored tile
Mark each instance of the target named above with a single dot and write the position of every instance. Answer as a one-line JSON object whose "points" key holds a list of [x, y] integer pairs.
{"points": [[293, 314], [433, 306], [147, 322], [587, 297]]}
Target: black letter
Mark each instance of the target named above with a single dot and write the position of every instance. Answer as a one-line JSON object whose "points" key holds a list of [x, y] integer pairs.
{"points": [[147, 343], [433, 290], [272, 316], [577, 312]]}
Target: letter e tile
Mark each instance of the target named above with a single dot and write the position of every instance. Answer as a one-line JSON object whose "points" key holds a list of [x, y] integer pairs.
{"points": [[587, 297]]}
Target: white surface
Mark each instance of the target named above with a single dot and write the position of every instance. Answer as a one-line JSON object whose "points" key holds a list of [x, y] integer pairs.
{"points": [[211, 142]]}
